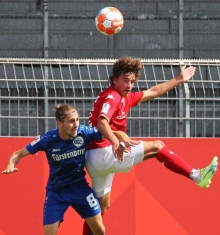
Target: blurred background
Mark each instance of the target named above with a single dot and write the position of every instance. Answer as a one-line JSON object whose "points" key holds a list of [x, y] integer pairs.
{"points": [[152, 29], [51, 52]]}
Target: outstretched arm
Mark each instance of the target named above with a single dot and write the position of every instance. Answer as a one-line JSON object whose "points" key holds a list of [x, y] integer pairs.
{"points": [[158, 90], [14, 159]]}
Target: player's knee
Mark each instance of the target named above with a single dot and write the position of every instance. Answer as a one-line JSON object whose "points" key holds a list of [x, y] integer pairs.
{"points": [[105, 207], [158, 145], [104, 202]]}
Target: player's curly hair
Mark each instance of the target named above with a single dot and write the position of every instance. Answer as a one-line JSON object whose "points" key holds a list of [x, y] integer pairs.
{"points": [[61, 110], [126, 64]]}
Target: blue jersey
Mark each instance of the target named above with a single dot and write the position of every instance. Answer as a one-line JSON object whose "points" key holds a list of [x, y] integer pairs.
{"points": [[66, 158]]}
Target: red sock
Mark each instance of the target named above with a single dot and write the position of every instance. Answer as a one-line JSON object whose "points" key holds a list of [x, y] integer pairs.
{"points": [[86, 228], [173, 162]]}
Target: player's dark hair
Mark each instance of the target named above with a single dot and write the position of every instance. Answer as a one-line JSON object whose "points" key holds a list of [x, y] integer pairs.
{"points": [[124, 65], [61, 110]]}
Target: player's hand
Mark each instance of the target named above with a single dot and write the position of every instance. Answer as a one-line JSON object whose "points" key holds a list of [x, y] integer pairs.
{"points": [[126, 139], [131, 143], [186, 73], [118, 151], [119, 154], [9, 170]]}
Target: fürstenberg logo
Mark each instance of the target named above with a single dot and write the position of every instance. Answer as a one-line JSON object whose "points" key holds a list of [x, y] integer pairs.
{"points": [[74, 153]]}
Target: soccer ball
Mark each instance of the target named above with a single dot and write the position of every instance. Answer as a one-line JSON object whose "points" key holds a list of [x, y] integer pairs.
{"points": [[109, 21]]}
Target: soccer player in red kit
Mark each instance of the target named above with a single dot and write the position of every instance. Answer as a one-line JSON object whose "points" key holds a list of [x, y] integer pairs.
{"points": [[110, 112]]}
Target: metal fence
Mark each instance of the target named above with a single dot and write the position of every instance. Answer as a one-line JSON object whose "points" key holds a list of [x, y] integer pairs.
{"points": [[31, 88]]}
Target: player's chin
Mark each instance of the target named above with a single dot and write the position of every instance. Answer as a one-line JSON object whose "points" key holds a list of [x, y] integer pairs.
{"points": [[74, 133]]}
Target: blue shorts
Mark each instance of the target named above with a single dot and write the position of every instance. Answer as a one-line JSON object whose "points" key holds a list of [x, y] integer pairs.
{"points": [[79, 196]]}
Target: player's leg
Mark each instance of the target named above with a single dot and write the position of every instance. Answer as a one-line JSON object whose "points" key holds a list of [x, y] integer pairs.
{"points": [[101, 183], [98, 162], [176, 164], [51, 229], [164, 155], [54, 209], [104, 202], [101, 165], [96, 225], [88, 207]]}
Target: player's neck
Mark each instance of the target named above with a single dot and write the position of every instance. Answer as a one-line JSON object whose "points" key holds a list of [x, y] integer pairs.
{"points": [[118, 91], [63, 135]]}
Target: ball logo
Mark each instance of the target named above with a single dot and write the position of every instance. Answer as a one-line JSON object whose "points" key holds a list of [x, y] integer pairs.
{"points": [[78, 141]]}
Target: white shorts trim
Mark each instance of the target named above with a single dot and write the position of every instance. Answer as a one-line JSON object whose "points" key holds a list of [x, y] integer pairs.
{"points": [[101, 166]]}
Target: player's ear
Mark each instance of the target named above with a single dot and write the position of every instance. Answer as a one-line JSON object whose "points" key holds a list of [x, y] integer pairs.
{"points": [[59, 124], [114, 80]]}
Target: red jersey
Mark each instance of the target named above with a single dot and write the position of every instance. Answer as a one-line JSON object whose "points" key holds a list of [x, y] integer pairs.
{"points": [[115, 109]]}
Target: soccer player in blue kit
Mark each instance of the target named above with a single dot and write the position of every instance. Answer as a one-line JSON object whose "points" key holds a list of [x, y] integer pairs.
{"points": [[67, 186]]}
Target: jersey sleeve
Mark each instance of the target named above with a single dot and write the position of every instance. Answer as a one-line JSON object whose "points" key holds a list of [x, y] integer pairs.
{"points": [[135, 98], [36, 145]]}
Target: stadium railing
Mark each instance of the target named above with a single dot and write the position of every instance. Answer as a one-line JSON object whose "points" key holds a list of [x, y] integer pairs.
{"points": [[30, 89]]}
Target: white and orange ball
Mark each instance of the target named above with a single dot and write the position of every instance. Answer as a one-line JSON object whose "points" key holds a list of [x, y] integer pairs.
{"points": [[109, 21]]}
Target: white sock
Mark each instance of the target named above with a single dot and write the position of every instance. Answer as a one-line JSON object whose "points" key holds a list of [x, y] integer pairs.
{"points": [[195, 175]]}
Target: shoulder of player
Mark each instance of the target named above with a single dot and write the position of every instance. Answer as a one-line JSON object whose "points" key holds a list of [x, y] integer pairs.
{"points": [[50, 135], [111, 94], [87, 130], [84, 129]]}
